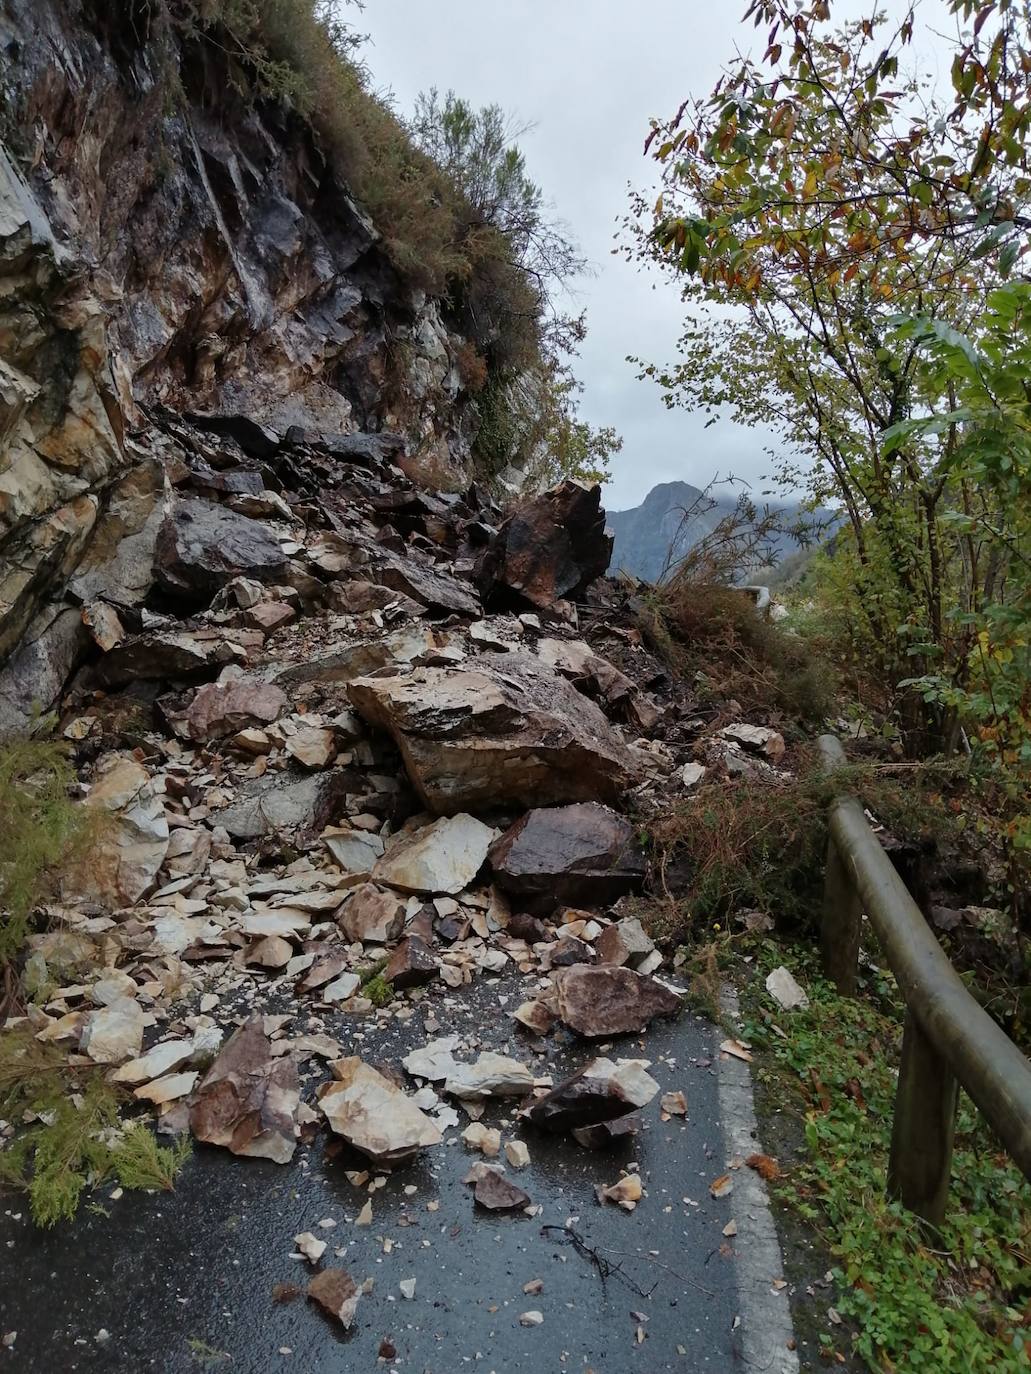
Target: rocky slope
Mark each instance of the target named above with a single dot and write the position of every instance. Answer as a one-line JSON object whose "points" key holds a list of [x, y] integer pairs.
{"points": [[346, 737], [161, 256]]}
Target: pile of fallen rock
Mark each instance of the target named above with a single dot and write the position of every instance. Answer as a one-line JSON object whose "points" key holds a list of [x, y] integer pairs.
{"points": [[357, 746]]}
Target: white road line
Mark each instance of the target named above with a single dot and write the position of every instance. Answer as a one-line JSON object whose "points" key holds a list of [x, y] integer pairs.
{"points": [[766, 1329]]}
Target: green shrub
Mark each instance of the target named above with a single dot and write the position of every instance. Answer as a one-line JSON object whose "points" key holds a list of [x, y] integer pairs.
{"points": [[73, 1137]]}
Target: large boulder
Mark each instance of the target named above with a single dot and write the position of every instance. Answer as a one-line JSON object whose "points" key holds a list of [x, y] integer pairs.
{"points": [[201, 546], [550, 548], [584, 855], [222, 708], [507, 729], [602, 1001]]}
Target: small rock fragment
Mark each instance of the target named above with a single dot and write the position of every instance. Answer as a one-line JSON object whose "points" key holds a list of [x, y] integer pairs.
{"points": [[336, 1293]]}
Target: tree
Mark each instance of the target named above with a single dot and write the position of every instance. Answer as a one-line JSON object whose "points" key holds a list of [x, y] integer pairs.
{"points": [[478, 152], [822, 204], [529, 415]]}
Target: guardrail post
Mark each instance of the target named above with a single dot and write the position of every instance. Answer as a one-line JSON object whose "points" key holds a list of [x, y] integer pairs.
{"points": [[842, 918], [925, 1121]]}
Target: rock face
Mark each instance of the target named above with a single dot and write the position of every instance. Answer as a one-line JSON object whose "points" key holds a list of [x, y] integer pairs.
{"points": [[582, 854], [550, 548], [202, 259], [506, 730]]}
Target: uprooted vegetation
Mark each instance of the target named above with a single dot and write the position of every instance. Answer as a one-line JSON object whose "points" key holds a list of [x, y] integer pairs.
{"points": [[73, 1134], [759, 845], [712, 637]]}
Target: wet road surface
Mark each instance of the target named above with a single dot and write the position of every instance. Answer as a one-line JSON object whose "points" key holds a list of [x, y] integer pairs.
{"points": [[183, 1281]]}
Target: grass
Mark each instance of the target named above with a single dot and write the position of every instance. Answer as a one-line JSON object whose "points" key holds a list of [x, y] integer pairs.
{"points": [[39, 823], [70, 1134], [957, 1303]]}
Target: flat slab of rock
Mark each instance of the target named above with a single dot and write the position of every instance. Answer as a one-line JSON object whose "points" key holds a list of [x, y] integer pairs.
{"points": [[248, 1100], [491, 1075], [373, 1115], [507, 730], [602, 1000], [356, 852], [603, 1091], [584, 854], [443, 857], [550, 548], [760, 739], [201, 546]]}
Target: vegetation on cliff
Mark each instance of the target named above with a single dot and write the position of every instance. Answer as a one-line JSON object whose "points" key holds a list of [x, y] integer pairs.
{"points": [[450, 195]]}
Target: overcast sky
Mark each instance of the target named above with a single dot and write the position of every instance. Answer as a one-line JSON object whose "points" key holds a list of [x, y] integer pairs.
{"points": [[589, 74]]}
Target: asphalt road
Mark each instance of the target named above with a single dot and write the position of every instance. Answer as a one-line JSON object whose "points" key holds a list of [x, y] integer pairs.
{"points": [[184, 1281]]}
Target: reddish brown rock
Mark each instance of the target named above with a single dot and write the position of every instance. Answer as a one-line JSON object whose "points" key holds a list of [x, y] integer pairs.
{"points": [[494, 1192], [602, 1000], [411, 964], [223, 708], [505, 729], [336, 1293], [248, 1100], [584, 853], [372, 915], [549, 549]]}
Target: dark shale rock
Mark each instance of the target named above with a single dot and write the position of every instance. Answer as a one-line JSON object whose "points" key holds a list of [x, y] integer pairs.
{"points": [[584, 854], [551, 547], [602, 1091], [201, 546]]}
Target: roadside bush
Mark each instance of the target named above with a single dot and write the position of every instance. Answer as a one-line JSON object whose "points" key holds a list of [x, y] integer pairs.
{"points": [[753, 845]]}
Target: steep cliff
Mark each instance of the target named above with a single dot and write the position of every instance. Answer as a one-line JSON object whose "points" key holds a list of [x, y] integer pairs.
{"points": [[170, 245]]}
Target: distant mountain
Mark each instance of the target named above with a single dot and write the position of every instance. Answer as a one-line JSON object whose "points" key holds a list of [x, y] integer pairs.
{"points": [[645, 535]]}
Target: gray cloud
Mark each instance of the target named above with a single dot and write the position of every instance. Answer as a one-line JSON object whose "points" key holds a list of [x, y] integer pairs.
{"points": [[589, 74]]}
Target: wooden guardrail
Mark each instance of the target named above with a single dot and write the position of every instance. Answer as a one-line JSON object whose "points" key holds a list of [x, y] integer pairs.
{"points": [[949, 1041]]}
